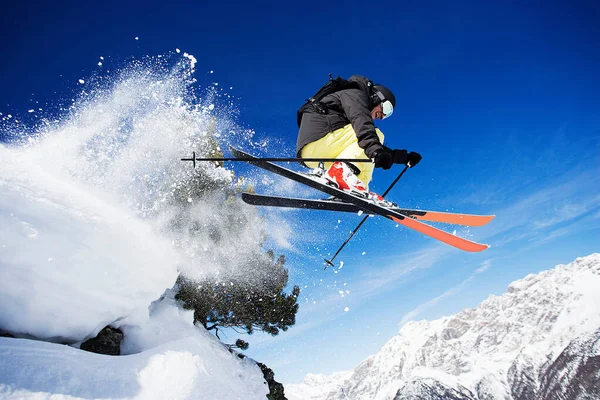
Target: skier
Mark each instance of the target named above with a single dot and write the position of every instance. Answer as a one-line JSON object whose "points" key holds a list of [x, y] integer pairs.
{"points": [[338, 122]]}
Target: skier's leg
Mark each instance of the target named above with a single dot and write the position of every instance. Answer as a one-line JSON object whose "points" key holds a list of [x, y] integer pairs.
{"points": [[341, 143], [355, 151]]}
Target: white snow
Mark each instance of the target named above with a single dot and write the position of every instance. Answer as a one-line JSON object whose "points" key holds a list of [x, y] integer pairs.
{"points": [[316, 386], [175, 361], [69, 265], [72, 263], [192, 59], [84, 212]]}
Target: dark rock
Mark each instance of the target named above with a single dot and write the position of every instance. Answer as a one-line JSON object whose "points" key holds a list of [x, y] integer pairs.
{"points": [[575, 374], [430, 389], [5, 334], [275, 388], [522, 379], [107, 342]]}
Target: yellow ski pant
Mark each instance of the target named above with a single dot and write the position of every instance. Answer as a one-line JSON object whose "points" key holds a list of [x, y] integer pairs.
{"points": [[341, 143]]}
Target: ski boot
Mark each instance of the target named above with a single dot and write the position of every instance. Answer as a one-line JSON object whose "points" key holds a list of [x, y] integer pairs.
{"points": [[343, 177]]}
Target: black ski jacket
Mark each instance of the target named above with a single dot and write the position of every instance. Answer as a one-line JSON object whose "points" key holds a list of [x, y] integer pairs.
{"points": [[347, 106]]}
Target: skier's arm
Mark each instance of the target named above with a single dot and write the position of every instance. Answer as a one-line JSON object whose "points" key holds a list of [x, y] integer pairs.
{"points": [[357, 110]]}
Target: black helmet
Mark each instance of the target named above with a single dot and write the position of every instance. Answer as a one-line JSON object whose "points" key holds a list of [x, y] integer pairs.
{"points": [[387, 94]]}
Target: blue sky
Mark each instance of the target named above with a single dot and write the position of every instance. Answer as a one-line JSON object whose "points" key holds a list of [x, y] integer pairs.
{"points": [[500, 99]]}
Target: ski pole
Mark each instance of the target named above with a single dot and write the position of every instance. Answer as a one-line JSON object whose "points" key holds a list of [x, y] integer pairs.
{"points": [[330, 261], [195, 159]]}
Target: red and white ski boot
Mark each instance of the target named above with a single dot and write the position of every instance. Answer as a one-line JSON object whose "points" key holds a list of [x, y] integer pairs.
{"points": [[342, 176]]}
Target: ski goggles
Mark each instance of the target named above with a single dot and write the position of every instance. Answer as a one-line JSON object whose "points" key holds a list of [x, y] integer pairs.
{"points": [[386, 106], [387, 109]]}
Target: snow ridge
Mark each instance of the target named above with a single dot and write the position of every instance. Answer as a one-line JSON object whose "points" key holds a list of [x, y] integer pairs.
{"points": [[317, 386]]}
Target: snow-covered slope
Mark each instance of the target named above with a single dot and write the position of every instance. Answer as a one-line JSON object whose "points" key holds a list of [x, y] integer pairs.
{"points": [[71, 263], [528, 343], [172, 360], [87, 240]]}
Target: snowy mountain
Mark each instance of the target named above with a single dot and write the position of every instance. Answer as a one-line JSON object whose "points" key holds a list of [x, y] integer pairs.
{"points": [[539, 340], [316, 386]]}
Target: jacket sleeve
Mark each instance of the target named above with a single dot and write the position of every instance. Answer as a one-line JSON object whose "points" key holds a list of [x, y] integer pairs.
{"points": [[356, 107]]}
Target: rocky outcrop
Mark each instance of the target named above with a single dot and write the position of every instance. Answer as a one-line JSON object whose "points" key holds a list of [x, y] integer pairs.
{"points": [[108, 342], [575, 374], [430, 389], [275, 388]]}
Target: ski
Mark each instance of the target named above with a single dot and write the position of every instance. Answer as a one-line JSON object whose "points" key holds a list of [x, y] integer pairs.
{"points": [[448, 238], [342, 206]]}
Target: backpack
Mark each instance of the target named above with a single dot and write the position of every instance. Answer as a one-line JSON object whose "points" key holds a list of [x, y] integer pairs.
{"points": [[334, 85]]}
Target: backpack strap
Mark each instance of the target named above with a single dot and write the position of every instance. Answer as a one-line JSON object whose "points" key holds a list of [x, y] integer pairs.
{"points": [[315, 100], [334, 85]]}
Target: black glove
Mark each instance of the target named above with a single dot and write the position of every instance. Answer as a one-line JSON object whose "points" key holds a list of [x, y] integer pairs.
{"points": [[404, 157], [384, 159], [399, 156], [413, 158]]}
